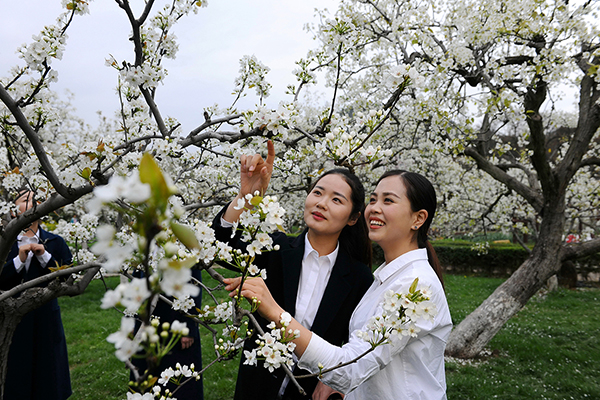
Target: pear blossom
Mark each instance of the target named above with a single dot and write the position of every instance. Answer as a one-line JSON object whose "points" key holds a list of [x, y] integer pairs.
{"points": [[250, 357]]}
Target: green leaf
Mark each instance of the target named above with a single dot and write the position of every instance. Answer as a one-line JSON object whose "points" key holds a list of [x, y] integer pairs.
{"points": [[256, 200], [185, 235], [86, 173], [413, 286], [151, 174]]}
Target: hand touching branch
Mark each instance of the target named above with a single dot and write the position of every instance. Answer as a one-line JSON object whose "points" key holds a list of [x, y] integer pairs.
{"points": [[255, 288], [255, 175]]}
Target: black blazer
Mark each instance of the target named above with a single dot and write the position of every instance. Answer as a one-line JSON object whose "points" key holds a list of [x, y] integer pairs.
{"points": [[38, 367], [349, 280]]}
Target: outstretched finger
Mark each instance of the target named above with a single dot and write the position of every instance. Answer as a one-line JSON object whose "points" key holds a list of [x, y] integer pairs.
{"points": [[270, 152]]}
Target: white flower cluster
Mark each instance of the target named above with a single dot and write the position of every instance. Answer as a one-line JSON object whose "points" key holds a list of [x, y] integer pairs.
{"points": [[116, 254], [130, 295], [303, 73], [258, 222], [275, 121], [49, 44], [12, 180], [129, 188], [127, 344], [399, 316], [399, 73], [79, 7], [176, 279], [126, 347], [146, 75], [184, 304], [140, 396], [177, 373], [218, 314], [234, 339], [276, 347], [340, 143], [79, 231], [252, 75]]}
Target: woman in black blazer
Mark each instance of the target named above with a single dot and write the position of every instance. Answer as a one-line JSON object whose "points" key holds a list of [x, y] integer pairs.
{"points": [[335, 241]]}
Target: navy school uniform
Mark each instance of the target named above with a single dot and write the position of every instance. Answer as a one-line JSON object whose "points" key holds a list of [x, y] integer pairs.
{"points": [[38, 366]]}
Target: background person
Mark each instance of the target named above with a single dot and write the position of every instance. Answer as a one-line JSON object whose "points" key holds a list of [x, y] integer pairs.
{"points": [[38, 366]]}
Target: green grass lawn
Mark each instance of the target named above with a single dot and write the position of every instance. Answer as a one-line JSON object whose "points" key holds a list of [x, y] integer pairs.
{"points": [[550, 350]]}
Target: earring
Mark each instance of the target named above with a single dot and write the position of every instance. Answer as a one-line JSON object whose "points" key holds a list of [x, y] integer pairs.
{"points": [[416, 228]]}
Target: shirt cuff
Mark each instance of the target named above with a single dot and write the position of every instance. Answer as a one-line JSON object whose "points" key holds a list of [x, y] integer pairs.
{"points": [[313, 354], [226, 224], [44, 258], [18, 264]]}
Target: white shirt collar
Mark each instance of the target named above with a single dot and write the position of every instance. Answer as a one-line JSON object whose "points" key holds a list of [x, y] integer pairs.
{"points": [[36, 236], [385, 271], [309, 249]]}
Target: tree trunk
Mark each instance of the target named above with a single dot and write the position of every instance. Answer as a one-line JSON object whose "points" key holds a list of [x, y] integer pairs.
{"points": [[9, 319], [469, 338]]}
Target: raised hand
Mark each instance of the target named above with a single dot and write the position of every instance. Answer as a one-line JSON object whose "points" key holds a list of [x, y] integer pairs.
{"points": [[255, 173], [256, 288]]}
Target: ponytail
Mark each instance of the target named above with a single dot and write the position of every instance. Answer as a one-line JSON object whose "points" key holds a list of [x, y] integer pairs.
{"points": [[434, 261]]}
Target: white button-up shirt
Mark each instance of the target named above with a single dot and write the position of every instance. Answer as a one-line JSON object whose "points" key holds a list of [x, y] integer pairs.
{"points": [[412, 368], [314, 277]]}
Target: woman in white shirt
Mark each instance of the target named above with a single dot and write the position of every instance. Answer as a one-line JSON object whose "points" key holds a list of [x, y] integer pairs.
{"points": [[398, 215]]}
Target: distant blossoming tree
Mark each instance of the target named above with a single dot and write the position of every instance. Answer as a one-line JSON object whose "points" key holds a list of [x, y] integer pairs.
{"points": [[485, 121]]}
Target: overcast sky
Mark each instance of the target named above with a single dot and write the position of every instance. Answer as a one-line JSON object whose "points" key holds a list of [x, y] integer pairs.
{"points": [[210, 46]]}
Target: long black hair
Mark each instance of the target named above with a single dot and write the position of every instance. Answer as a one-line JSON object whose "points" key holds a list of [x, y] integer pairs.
{"points": [[421, 195], [354, 239]]}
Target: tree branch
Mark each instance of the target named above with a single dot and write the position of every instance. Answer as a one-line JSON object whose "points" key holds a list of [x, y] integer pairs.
{"points": [[40, 151], [579, 250], [220, 136], [210, 122], [534, 98], [67, 290], [590, 161], [532, 197], [155, 112], [587, 126]]}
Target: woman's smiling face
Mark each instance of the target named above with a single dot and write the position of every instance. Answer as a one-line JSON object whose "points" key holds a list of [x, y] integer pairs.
{"points": [[390, 217]]}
